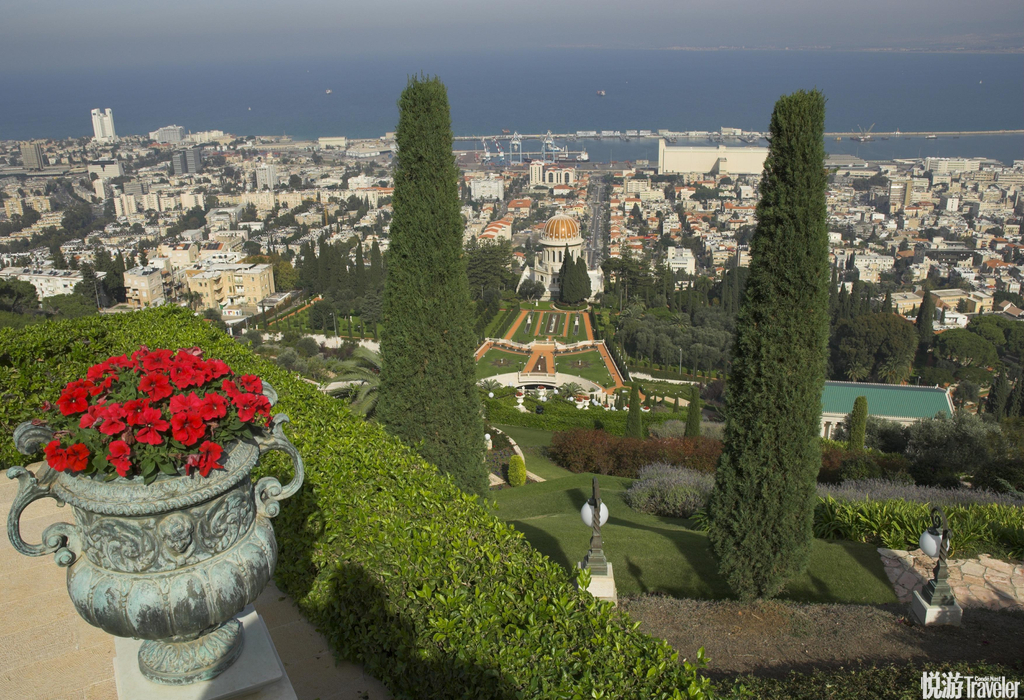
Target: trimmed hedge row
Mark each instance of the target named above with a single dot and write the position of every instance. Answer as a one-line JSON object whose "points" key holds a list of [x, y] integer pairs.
{"points": [[596, 451], [506, 321], [398, 569], [560, 415]]}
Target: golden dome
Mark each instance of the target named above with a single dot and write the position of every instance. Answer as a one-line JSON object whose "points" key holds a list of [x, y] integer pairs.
{"points": [[561, 227]]}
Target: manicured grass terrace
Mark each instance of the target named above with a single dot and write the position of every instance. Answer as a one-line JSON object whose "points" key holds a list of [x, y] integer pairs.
{"points": [[653, 554]]}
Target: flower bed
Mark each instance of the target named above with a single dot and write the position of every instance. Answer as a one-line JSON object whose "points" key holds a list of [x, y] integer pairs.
{"points": [[596, 451]]}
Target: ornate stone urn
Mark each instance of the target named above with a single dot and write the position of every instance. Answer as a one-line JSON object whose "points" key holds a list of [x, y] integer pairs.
{"points": [[171, 562]]}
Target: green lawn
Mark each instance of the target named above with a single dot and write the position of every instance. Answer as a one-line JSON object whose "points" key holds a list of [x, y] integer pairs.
{"points": [[655, 554], [532, 442], [522, 335], [488, 366], [594, 368]]}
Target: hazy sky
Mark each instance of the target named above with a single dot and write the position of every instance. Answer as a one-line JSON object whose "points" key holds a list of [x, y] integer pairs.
{"points": [[44, 33]]}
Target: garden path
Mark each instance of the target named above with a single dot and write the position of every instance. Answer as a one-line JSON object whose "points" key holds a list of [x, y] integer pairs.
{"points": [[48, 651], [977, 583], [542, 359], [515, 326]]}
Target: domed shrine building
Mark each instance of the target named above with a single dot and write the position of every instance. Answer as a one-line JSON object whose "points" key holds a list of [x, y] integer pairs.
{"points": [[560, 231]]}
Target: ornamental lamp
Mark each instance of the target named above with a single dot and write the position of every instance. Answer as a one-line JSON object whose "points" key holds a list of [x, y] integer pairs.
{"points": [[936, 604]]}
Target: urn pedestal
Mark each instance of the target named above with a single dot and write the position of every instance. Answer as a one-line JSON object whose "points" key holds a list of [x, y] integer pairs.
{"points": [[170, 563]]}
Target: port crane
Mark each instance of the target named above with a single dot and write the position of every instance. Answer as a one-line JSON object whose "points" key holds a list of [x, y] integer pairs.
{"points": [[865, 134]]}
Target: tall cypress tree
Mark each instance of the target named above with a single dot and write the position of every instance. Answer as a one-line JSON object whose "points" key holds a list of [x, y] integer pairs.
{"points": [[634, 424], [376, 268], [762, 507], [693, 414], [427, 382], [926, 321], [582, 280], [858, 422], [565, 276]]}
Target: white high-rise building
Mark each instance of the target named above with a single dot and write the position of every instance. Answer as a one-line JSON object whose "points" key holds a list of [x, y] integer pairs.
{"points": [[266, 176], [168, 134], [103, 125]]}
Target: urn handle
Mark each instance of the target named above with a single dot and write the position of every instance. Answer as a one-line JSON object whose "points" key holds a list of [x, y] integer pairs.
{"points": [[60, 539], [268, 489]]}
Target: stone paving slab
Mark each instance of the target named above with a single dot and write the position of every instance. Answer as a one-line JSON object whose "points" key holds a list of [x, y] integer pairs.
{"points": [[977, 583], [48, 652]]}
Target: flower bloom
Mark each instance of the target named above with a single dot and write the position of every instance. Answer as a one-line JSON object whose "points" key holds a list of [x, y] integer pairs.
{"points": [[187, 427], [133, 410], [113, 419], [75, 458], [206, 460], [117, 454], [151, 424], [181, 403], [91, 415], [155, 386], [249, 405], [157, 361], [229, 388], [185, 375], [75, 397], [251, 383], [213, 406], [214, 369]]}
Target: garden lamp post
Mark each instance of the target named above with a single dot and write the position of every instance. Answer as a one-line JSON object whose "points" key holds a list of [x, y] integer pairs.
{"points": [[595, 559], [936, 605]]}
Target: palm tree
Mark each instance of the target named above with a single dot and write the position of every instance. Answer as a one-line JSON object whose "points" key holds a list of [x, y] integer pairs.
{"points": [[489, 385], [894, 370], [570, 390], [362, 374], [856, 372]]}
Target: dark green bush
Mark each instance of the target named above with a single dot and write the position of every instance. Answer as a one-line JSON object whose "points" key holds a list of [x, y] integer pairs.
{"points": [[560, 415], [401, 572]]}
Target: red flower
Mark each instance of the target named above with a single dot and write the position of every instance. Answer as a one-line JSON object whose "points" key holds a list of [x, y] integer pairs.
{"points": [[184, 375], [156, 386], [215, 369], [249, 405], [97, 372], [229, 388], [251, 383], [77, 457], [206, 460], [103, 386], [55, 456], [213, 407], [133, 410], [75, 397], [151, 424], [118, 454], [157, 361], [181, 403], [188, 427], [122, 361], [92, 414], [113, 420]]}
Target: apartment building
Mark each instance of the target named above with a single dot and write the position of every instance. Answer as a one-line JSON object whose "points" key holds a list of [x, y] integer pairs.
{"points": [[144, 287], [239, 284]]}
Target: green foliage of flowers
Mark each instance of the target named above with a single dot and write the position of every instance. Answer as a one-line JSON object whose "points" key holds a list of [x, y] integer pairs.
{"points": [[561, 415], [399, 569], [991, 527]]}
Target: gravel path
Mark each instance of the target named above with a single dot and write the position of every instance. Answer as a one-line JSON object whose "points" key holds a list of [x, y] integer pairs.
{"points": [[772, 637]]}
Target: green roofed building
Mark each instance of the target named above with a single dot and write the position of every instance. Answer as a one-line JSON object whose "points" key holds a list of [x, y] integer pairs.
{"points": [[900, 404]]}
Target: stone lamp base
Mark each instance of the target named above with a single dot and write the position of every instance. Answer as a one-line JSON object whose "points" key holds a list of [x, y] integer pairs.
{"points": [[926, 614], [602, 586]]}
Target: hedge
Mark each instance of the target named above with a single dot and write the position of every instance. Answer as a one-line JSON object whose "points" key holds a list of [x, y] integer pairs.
{"points": [[506, 321], [560, 415], [400, 571]]}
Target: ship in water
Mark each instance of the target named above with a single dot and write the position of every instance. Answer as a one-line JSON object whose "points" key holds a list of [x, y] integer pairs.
{"points": [[600, 93], [931, 137], [328, 91]]}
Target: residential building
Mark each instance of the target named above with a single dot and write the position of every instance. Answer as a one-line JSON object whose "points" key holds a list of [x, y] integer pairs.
{"points": [[239, 284], [489, 188], [266, 176], [144, 287], [32, 156], [680, 259], [106, 169], [187, 161], [48, 282]]}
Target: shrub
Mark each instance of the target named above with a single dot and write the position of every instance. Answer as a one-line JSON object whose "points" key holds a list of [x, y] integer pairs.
{"points": [[661, 489], [859, 466], [669, 429], [306, 346], [401, 571], [516, 471], [559, 415], [598, 452]]}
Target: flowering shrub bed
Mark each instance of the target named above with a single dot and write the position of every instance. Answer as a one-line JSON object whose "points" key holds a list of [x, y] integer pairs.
{"points": [[596, 451], [661, 489], [876, 511], [561, 415], [131, 415]]}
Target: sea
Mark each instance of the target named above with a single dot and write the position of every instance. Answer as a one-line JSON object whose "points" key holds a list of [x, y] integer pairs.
{"points": [[536, 91]]}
